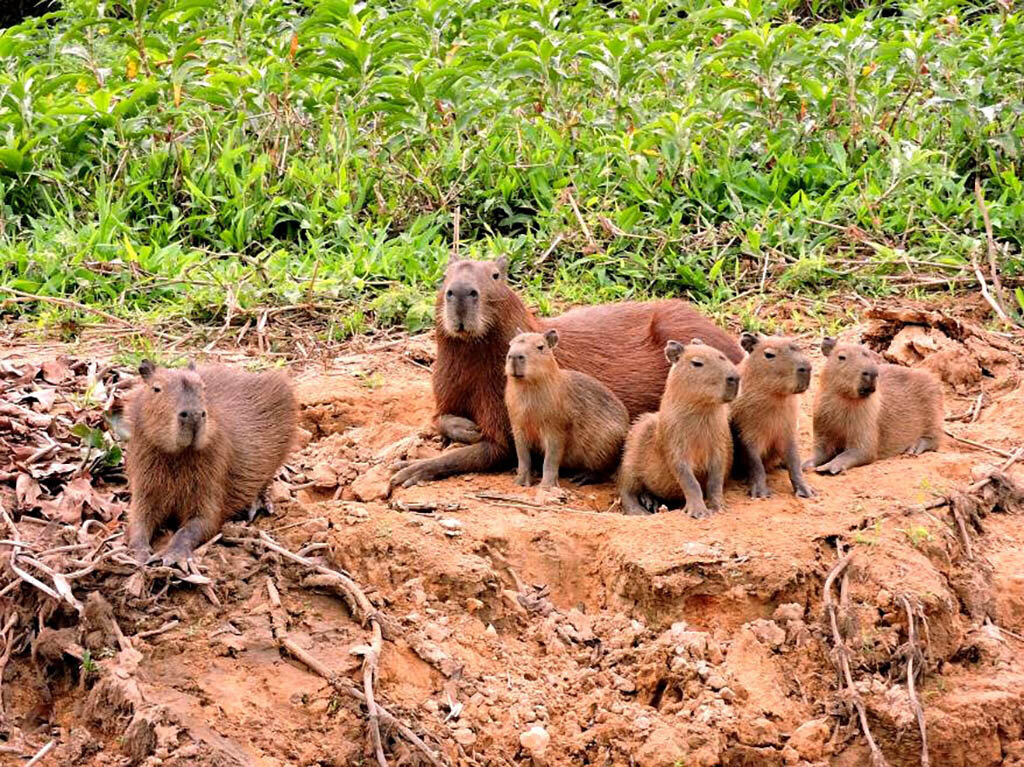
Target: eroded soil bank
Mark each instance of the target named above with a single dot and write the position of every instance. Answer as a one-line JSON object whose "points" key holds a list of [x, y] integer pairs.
{"points": [[527, 629]]}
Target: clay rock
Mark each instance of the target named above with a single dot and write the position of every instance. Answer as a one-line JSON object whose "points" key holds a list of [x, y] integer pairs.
{"points": [[809, 739], [373, 484], [324, 477], [664, 747], [535, 740], [757, 732], [768, 632], [464, 736], [788, 612]]}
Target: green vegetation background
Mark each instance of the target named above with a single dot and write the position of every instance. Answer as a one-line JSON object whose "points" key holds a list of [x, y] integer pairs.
{"points": [[194, 158]]}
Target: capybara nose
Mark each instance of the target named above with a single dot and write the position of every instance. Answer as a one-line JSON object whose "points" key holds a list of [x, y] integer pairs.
{"points": [[803, 379], [803, 370], [869, 376], [521, 358], [732, 387], [461, 291]]}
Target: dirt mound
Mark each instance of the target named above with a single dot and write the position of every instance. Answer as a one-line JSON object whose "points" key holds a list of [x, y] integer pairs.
{"points": [[524, 628]]}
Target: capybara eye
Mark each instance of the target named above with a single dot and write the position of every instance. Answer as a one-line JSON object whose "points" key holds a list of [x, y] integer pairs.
{"points": [[156, 389], [540, 348], [697, 363], [449, 294], [842, 357], [769, 354], [495, 275], [473, 294]]}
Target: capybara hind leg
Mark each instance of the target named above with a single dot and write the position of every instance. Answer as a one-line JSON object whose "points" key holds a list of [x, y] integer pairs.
{"points": [[845, 460], [631, 504], [587, 477], [483, 456], [923, 445], [458, 429], [261, 503], [758, 479]]}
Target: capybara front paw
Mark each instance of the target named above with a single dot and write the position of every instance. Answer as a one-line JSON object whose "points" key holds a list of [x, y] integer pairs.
{"points": [[141, 553], [699, 511], [549, 483], [829, 468], [176, 555], [808, 464], [804, 491], [632, 508], [760, 490], [523, 479], [410, 475]]}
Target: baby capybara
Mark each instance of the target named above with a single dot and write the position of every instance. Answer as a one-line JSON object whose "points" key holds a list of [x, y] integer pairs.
{"points": [[477, 314], [205, 443], [763, 416], [866, 410], [686, 444], [573, 418]]}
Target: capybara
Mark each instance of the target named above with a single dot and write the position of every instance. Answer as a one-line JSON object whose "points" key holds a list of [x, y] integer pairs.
{"points": [[205, 443], [763, 416], [573, 418], [686, 444], [866, 410], [477, 314]]}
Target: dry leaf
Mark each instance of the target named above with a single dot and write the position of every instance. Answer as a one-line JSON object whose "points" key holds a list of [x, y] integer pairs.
{"points": [[27, 491], [56, 371]]}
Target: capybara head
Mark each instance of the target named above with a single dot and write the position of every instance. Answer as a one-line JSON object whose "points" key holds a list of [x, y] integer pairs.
{"points": [[469, 294], [171, 408], [775, 364], [530, 355], [700, 374], [850, 371]]}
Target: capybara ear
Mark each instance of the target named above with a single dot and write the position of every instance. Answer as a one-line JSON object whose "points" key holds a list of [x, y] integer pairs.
{"points": [[828, 343], [517, 332], [146, 369], [673, 351], [552, 338], [502, 264], [696, 341], [191, 364], [454, 256], [748, 341]]}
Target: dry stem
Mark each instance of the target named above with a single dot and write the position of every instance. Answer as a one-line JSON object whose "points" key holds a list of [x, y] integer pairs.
{"points": [[918, 709]]}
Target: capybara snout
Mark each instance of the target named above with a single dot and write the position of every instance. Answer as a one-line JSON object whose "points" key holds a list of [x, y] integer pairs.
{"points": [[732, 388], [868, 381]]}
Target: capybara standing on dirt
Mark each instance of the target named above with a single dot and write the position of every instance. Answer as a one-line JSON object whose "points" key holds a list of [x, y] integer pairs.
{"points": [[205, 443], [477, 314], [866, 410], [574, 418], [672, 453], [763, 416]]}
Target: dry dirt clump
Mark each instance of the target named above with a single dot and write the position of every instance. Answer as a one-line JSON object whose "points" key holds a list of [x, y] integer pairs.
{"points": [[501, 627]]}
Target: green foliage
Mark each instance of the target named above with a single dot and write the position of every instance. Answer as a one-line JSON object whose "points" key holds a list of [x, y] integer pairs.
{"points": [[204, 158]]}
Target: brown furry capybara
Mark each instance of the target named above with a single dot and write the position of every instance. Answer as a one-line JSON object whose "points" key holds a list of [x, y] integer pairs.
{"points": [[866, 410], [763, 417], [477, 314], [205, 443], [573, 418], [672, 453]]}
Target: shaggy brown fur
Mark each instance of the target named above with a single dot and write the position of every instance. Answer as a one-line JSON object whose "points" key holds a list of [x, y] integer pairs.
{"points": [[574, 418], [763, 416], [478, 314], [686, 445], [866, 410], [205, 443]]}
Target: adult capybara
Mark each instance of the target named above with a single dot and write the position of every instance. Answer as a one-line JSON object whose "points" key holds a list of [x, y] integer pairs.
{"points": [[763, 417], [573, 418], [205, 443], [866, 410], [686, 444], [477, 314]]}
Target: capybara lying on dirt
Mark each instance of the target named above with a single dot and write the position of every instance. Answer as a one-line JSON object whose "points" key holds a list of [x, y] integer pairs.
{"points": [[205, 444], [686, 444], [763, 416], [477, 314], [866, 410], [573, 418]]}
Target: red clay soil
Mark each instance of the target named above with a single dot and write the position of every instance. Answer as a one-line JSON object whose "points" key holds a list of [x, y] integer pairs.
{"points": [[524, 628]]}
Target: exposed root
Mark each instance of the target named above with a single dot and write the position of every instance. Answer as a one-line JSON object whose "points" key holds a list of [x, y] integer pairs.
{"points": [[842, 656], [915, 666]]}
